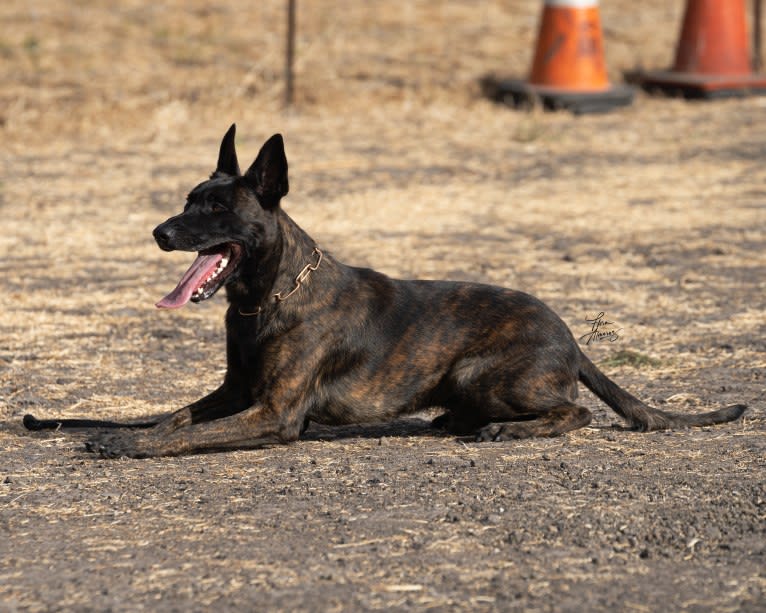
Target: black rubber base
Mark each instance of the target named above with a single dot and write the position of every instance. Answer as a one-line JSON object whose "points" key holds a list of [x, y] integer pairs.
{"points": [[520, 94], [697, 87]]}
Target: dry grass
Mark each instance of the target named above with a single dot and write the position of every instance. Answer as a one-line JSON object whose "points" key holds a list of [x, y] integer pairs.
{"points": [[654, 215]]}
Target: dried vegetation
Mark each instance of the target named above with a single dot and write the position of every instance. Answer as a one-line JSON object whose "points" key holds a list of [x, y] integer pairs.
{"points": [[654, 215]]}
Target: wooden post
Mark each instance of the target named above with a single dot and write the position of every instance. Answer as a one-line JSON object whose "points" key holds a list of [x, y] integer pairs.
{"points": [[290, 52], [757, 59]]}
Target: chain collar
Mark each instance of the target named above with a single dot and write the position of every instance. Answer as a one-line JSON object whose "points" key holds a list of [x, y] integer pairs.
{"points": [[300, 279]]}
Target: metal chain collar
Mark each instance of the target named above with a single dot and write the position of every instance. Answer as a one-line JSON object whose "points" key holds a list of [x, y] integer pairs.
{"points": [[300, 279]]}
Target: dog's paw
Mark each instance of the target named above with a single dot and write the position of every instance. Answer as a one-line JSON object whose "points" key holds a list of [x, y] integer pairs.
{"points": [[124, 444]]}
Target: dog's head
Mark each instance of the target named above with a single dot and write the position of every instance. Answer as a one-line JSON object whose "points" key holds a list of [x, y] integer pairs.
{"points": [[226, 219]]}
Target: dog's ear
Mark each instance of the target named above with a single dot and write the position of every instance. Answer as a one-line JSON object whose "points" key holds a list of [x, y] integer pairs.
{"points": [[267, 176], [227, 155]]}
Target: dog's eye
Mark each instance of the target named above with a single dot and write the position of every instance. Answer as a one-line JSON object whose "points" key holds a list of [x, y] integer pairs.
{"points": [[217, 207]]}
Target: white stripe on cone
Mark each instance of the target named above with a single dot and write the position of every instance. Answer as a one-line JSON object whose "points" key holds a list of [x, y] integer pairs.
{"points": [[576, 4]]}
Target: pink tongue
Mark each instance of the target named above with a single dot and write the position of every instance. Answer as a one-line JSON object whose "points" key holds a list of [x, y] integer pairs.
{"points": [[198, 272]]}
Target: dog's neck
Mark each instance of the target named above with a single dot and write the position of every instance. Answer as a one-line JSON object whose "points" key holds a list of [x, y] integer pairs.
{"points": [[269, 272]]}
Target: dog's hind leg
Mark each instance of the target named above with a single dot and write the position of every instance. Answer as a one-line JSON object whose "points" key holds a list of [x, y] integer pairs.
{"points": [[562, 418]]}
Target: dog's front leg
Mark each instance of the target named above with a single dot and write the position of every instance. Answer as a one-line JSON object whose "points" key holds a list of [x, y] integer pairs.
{"points": [[222, 402], [253, 427]]}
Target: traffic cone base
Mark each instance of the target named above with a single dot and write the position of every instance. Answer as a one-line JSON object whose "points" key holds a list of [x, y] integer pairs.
{"points": [[522, 94], [699, 86]]}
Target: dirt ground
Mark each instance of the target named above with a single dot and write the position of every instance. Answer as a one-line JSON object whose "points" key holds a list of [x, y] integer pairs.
{"points": [[653, 215]]}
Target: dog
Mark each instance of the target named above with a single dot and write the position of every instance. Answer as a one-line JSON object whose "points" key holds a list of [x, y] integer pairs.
{"points": [[309, 339]]}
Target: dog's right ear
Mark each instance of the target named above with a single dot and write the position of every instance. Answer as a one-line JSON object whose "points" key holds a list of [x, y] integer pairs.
{"points": [[227, 155]]}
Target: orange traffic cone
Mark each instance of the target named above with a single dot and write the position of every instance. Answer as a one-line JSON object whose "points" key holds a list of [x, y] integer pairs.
{"points": [[713, 55], [568, 69]]}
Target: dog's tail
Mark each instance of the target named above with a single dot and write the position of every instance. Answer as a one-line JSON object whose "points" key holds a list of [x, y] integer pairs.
{"points": [[641, 416], [32, 423]]}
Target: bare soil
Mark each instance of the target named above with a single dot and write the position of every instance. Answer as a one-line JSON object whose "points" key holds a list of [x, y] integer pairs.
{"points": [[653, 215]]}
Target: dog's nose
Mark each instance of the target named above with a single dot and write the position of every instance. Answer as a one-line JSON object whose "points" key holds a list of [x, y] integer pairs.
{"points": [[163, 234]]}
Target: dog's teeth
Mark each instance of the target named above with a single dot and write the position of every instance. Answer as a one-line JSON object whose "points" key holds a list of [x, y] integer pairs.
{"points": [[223, 263]]}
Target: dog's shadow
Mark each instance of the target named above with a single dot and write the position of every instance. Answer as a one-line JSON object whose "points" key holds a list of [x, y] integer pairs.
{"points": [[399, 428], [419, 426]]}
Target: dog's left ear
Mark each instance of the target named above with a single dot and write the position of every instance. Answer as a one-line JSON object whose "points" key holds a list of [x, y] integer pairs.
{"points": [[267, 177], [227, 155]]}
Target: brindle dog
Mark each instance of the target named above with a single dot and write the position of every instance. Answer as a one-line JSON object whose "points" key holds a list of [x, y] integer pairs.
{"points": [[311, 339]]}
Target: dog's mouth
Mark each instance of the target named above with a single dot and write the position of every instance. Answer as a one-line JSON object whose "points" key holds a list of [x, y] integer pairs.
{"points": [[205, 276]]}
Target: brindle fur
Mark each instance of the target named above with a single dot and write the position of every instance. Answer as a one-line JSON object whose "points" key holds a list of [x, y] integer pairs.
{"points": [[353, 345]]}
